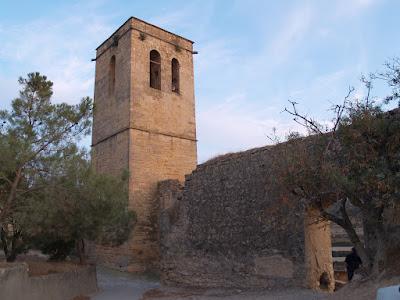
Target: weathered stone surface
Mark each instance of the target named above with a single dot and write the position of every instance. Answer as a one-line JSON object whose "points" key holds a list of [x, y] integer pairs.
{"points": [[236, 227], [318, 252], [232, 224], [150, 132], [274, 266]]}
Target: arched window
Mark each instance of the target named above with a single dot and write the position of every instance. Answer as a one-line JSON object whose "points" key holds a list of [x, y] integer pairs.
{"points": [[111, 76], [155, 70], [175, 75]]}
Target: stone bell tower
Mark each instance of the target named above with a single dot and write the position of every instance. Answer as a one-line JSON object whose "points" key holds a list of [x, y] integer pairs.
{"points": [[144, 122]]}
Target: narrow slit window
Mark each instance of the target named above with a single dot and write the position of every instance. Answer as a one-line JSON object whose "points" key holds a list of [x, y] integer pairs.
{"points": [[175, 75], [111, 77], [155, 70]]}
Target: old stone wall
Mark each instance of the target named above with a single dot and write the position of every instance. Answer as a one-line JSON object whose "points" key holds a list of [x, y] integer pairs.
{"points": [[110, 139], [232, 225], [111, 111], [163, 135], [150, 132], [16, 284], [318, 252]]}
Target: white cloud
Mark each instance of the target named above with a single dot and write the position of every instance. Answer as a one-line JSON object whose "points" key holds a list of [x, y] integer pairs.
{"points": [[175, 19], [234, 124], [191, 19], [59, 49], [232, 113], [214, 54], [9, 90], [295, 25], [351, 8], [325, 84]]}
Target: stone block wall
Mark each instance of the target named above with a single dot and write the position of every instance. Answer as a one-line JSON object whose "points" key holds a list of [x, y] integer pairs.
{"points": [[232, 225], [149, 132], [111, 109]]}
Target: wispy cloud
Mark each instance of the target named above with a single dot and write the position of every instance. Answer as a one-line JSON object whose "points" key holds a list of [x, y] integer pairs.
{"points": [[253, 56], [235, 124], [214, 55], [191, 19], [351, 8], [175, 19], [244, 119], [294, 27], [8, 90], [58, 50]]}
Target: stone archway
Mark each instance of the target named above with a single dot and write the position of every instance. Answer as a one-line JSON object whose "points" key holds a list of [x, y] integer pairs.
{"points": [[318, 252]]}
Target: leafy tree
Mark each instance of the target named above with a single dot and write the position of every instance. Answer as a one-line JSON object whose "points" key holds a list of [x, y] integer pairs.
{"points": [[33, 137], [352, 164], [78, 204], [48, 192]]}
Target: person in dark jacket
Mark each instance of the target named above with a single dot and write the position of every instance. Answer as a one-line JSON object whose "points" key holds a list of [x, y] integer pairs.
{"points": [[353, 262]]}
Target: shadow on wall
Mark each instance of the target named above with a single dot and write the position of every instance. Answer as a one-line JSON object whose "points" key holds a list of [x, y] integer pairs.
{"points": [[233, 225]]}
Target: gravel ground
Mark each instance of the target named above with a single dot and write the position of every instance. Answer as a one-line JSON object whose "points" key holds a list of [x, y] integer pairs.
{"points": [[115, 285], [290, 294]]}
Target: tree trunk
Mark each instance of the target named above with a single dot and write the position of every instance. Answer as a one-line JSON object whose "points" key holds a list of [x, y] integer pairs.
{"points": [[12, 195], [361, 251], [80, 247], [14, 246], [4, 241], [347, 225], [380, 250], [375, 239], [355, 239], [10, 248]]}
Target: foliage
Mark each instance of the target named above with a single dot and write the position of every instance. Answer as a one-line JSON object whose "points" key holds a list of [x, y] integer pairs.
{"points": [[49, 195], [353, 164], [78, 205]]}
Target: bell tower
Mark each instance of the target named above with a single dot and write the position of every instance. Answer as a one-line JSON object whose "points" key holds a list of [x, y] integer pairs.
{"points": [[144, 122]]}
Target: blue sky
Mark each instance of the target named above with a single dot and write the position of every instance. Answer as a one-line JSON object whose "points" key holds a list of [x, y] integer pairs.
{"points": [[253, 55]]}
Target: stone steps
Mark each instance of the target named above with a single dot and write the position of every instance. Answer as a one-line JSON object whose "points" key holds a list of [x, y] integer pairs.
{"points": [[341, 246], [340, 254]]}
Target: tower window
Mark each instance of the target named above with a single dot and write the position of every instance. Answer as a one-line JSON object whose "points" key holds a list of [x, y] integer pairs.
{"points": [[155, 70], [111, 76], [175, 75]]}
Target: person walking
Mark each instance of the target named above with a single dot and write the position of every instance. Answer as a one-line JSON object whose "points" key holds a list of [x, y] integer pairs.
{"points": [[353, 262]]}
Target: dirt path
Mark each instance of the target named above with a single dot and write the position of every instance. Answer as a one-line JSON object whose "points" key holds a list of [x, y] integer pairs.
{"points": [[115, 285], [291, 294]]}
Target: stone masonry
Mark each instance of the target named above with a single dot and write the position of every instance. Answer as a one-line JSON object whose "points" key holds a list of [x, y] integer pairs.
{"points": [[233, 224], [229, 222], [147, 131]]}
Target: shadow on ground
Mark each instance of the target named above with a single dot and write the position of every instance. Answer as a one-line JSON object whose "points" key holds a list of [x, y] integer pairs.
{"points": [[115, 285]]}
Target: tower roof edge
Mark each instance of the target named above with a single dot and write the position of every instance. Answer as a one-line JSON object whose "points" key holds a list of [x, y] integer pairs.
{"points": [[145, 23]]}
